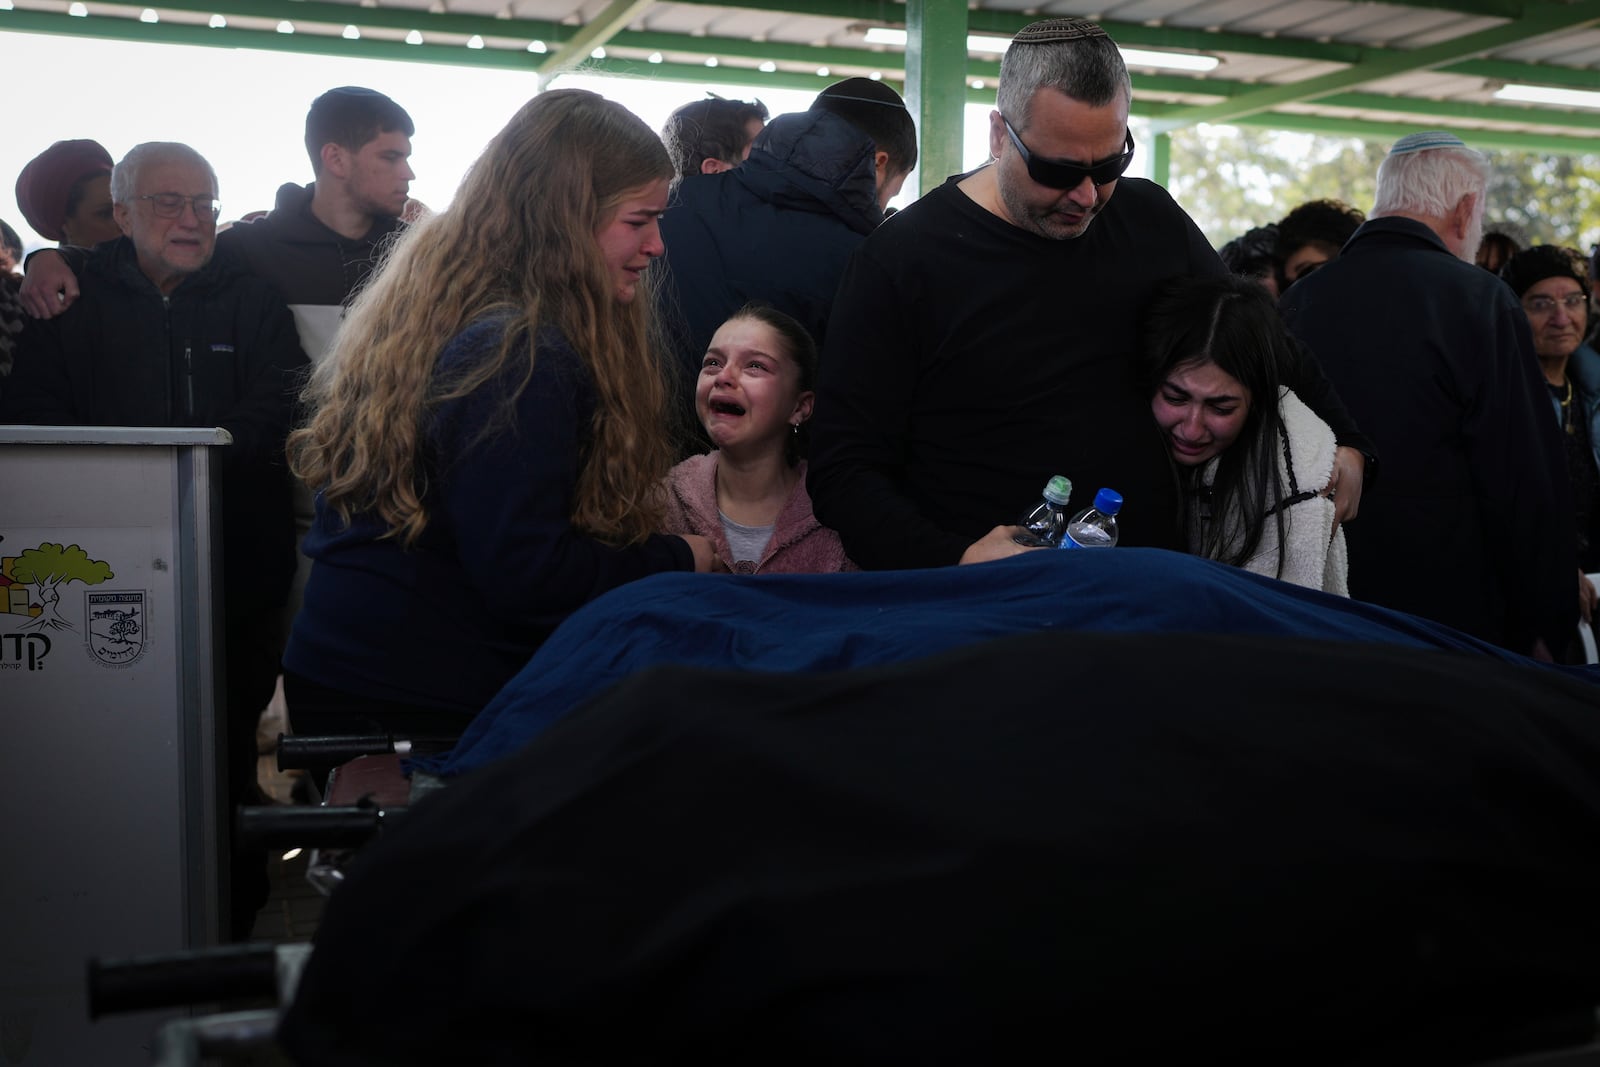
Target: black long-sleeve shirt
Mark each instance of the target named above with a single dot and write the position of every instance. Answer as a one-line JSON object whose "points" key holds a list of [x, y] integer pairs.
{"points": [[969, 360]]}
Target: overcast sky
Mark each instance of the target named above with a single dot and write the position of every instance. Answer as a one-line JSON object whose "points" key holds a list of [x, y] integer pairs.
{"points": [[245, 110]]}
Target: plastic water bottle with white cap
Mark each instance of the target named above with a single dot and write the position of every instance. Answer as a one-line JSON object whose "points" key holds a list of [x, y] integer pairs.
{"points": [[1095, 527], [1046, 524]]}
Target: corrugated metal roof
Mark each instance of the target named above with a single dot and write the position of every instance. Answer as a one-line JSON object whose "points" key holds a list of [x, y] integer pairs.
{"points": [[1331, 65]]}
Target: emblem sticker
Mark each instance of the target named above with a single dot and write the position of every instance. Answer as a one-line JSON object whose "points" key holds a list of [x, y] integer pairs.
{"points": [[117, 627]]}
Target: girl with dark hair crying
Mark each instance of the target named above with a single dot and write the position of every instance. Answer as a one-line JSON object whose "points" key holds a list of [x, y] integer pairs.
{"points": [[754, 397], [1251, 456]]}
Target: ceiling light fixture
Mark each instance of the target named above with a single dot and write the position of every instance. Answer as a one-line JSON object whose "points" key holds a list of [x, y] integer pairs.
{"points": [[1548, 94], [351, 33], [1135, 57], [218, 22], [1190, 61]]}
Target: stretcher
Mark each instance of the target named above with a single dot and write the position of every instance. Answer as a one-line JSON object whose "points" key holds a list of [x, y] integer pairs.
{"points": [[1117, 845]]}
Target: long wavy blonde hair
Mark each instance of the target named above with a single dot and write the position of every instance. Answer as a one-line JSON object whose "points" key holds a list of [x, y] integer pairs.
{"points": [[519, 241]]}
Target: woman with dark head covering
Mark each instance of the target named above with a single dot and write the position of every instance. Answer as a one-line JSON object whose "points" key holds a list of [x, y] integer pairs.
{"points": [[1553, 284], [65, 194]]}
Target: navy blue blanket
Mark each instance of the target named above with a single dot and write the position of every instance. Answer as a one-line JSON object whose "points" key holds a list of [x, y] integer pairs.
{"points": [[834, 622]]}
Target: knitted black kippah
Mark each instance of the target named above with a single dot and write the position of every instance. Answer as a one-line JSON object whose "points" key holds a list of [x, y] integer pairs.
{"points": [[1049, 31]]}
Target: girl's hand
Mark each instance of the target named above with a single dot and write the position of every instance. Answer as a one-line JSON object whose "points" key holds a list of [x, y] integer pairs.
{"points": [[705, 560]]}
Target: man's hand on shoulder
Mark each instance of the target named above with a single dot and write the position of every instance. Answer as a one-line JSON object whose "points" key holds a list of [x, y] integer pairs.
{"points": [[1344, 488], [49, 287], [998, 543]]}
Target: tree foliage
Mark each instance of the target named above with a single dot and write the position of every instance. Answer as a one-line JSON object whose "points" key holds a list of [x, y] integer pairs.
{"points": [[52, 564], [1231, 178]]}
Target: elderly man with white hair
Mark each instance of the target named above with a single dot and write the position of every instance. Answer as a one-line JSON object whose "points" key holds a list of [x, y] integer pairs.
{"points": [[167, 333], [1470, 523]]}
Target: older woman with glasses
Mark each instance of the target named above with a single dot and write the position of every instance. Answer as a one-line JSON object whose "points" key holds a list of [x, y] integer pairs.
{"points": [[1553, 284], [488, 430]]}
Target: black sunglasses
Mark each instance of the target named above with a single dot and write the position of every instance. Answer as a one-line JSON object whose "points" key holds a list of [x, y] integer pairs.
{"points": [[1058, 175]]}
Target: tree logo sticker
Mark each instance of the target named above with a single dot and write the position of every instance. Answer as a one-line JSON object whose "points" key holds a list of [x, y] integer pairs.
{"points": [[46, 569], [116, 627]]}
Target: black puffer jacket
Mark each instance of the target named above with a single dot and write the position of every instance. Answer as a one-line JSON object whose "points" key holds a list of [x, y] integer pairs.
{"points": [[777, 229], [220, 350]]}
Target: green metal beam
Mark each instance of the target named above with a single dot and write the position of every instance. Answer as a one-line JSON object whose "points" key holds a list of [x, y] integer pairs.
{"points": [[297, 43], [594, 33], [777, 51], [993, 22], [1536, 22], [389, 18], [1161, 159], [695, 73], [936, 59], [1500, 70], [1235, 95], [1139, 35], [1002, 23], [1450, 109], [893, 11], [1388, 132]]}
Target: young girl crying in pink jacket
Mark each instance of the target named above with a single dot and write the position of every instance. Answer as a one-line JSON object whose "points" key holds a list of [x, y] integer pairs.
{"points": [[749, 497]]}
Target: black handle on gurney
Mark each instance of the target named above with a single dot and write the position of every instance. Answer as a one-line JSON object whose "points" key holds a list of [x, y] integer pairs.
{"points": [[200, 976], [298, 752], [278, 826]]}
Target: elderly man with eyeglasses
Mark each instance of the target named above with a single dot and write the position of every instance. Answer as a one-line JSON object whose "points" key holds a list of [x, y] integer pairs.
{"points": [[984, 339], [167, 332]]}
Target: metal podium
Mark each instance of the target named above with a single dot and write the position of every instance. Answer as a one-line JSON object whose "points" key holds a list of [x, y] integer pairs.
{"points": [[111, 841]]}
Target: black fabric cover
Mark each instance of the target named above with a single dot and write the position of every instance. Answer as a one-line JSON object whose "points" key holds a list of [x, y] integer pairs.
{"points": [[1065, 847]]}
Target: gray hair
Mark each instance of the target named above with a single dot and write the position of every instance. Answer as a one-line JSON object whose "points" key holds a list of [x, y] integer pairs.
{"points": [[125, 175], [1072, 56], [1428, 181]]}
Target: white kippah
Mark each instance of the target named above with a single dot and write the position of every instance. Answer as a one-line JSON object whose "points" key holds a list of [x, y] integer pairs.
{"points": [[1421, 142]]}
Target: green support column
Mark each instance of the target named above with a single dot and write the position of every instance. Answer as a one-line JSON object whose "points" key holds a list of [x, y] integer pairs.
{"points": [[1161, 159], [936, 85]]}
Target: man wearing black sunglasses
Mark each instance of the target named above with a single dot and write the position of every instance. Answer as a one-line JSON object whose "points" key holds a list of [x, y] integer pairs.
{"points": [[984, 339]]}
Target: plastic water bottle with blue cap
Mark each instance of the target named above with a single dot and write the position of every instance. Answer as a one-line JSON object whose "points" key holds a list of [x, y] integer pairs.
{"points": [[1095, 527], [1046, 524]]}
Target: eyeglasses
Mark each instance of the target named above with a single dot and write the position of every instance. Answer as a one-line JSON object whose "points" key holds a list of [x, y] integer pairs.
{"points": [[1544, 305], [170, 205], [1055, 174]]}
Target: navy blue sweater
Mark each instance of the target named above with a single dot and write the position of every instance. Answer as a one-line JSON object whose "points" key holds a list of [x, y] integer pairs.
{"points": [[446, 622]]}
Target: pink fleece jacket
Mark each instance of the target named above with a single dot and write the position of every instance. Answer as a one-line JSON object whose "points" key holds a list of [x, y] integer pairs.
{"points": [[799, 545]]}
